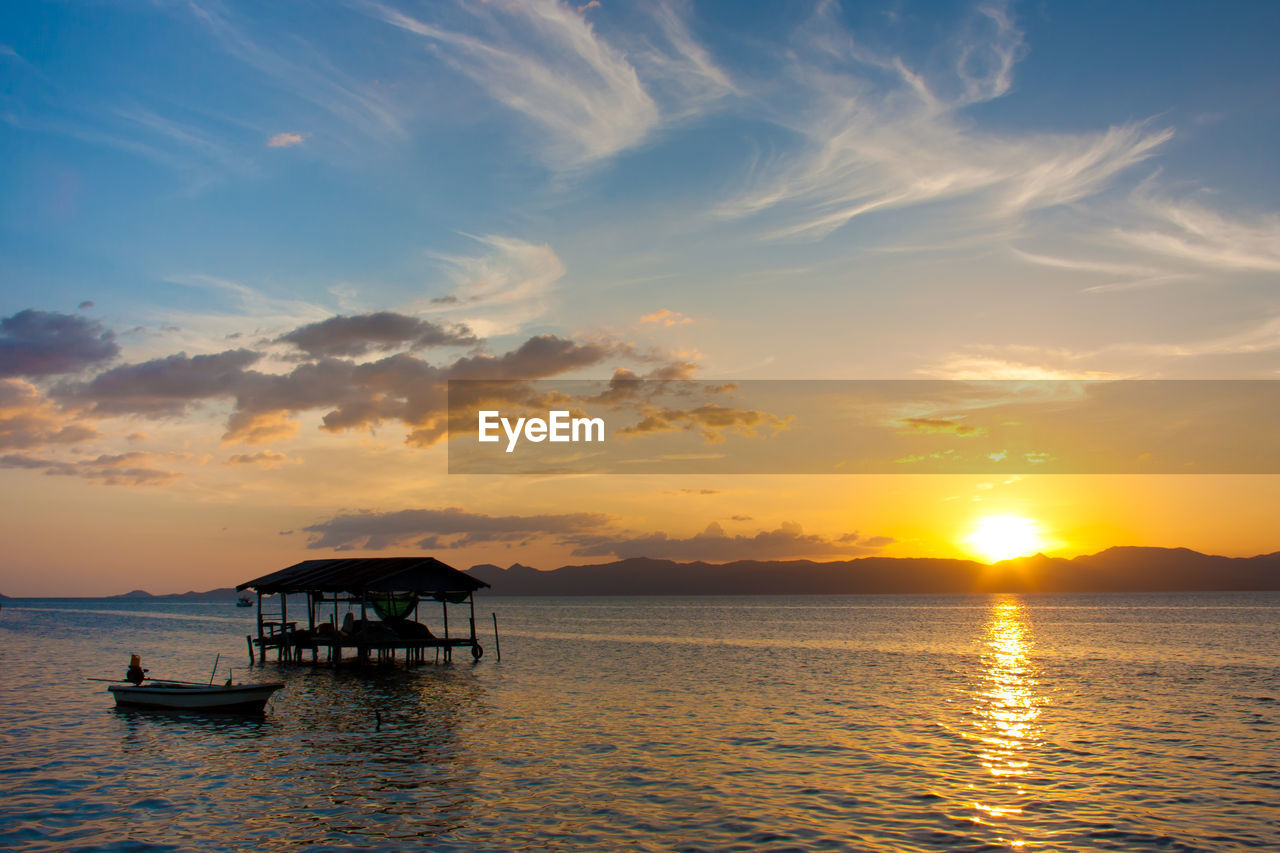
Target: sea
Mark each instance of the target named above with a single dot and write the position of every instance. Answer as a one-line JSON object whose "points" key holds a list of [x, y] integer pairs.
{"points": [[881, 723]]}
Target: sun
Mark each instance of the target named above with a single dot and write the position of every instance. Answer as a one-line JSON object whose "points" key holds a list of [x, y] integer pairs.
{"points": [[1000, 537]]}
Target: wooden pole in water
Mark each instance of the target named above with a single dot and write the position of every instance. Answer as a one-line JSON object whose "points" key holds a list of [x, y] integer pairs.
{"points": [[284, 617], [444, 607], [248, 641], [262, 645], [363, 651], [497, 646], [471, 598]]}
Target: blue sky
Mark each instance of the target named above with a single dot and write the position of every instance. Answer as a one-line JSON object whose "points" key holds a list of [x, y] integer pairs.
{"points": [[754, 190]]}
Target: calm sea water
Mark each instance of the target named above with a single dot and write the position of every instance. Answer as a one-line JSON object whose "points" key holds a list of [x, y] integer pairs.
{"points": [[1119, 722]]}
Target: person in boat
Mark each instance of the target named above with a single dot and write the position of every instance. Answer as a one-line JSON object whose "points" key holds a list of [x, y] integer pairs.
{"points": [[136, 674]]}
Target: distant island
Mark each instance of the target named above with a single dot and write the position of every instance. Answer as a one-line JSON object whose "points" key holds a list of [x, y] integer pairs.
{"points": [[218, 594], [1120, 569]]}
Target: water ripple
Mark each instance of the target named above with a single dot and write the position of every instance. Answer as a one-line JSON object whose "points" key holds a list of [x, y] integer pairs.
{"points": [[865, 723]]}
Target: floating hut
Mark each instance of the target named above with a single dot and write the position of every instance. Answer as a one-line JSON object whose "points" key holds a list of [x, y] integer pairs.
{"points": [[391, 588]]}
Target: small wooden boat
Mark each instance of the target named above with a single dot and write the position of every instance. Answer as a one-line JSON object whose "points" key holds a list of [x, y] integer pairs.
{"points": [[189, 696]]}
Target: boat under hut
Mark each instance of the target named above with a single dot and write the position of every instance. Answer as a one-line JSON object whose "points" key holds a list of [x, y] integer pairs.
{"points": [[333, 592]]}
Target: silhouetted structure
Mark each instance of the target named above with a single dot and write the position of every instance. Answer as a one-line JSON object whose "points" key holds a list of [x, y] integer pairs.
{"points": [[392, 587]]}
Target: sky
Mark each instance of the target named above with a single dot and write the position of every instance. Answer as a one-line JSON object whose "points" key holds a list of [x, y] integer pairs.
{"points": [[245, 246]]}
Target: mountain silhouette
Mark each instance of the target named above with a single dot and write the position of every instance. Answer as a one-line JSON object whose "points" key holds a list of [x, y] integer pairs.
{"points": [[1118, 569]]}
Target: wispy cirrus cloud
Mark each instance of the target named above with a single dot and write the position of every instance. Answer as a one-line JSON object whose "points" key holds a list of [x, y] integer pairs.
{"points": [[238, 310], [500, 290], [185, 139], [546, 62], [875, 134], [1188, 232], [585, 95], [1164, 241], [1249, 350], [302, 70], [1120, 275]]}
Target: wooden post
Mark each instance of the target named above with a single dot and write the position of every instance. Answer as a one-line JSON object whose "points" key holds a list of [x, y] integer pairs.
{"points": [[497, 646], [361, 650], [248, 641], [335, 642], [444, 608], [262, 643], [284, 617], [471, 598]]}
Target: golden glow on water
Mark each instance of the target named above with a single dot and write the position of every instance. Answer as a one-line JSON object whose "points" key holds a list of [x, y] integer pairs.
{"points": [[1006, 711]]}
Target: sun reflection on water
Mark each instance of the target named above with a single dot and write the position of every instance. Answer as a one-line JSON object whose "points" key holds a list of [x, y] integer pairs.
{"points": [[1006, 713]]}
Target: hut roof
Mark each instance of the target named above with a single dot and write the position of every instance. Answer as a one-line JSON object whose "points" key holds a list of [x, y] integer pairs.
{"points": [[367, 574]]}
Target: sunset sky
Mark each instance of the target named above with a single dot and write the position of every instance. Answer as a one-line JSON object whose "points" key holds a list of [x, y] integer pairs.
{"points": [[244, 246]]}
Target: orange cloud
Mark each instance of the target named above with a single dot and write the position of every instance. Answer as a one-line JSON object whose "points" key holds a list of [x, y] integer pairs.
{"points": [[28, 419], [285, 140], [667, 317], [259, 427]]}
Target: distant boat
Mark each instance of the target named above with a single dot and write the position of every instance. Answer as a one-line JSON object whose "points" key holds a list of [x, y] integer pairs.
{"points": [[185, 695], [244, 601]]}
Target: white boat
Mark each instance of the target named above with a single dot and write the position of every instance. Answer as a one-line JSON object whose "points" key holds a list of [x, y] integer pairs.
{"points": [[183, 695]]}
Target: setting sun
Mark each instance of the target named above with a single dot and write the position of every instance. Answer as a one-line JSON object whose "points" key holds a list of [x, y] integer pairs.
{"points": [[1000, 537]]}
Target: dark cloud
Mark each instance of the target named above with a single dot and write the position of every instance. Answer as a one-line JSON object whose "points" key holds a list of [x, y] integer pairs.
{"points": [[397, 388], [28, 419], [711, 420], [400, 387], [442, 528], [43, 343], [670, 378], [939, 425], [162, 386], [715, 546], [88, 303], [125, 469], [263, 459], [358, 335], [538, 357]]}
